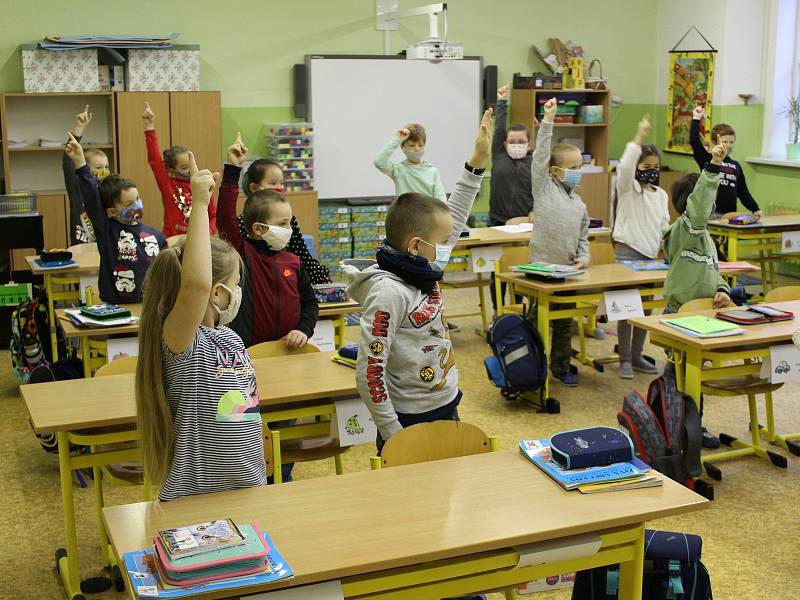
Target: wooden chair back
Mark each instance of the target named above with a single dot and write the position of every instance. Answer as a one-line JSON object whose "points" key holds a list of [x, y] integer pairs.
{"points": [[85, 248], [512, 256], [780, 294], [277, 348], [697, 304], [434, 441], [601, 253], [117, 367]]}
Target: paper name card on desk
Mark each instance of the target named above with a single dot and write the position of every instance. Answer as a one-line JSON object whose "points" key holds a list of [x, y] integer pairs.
{"points": [[623, 304], [790, 242], [782, 364], [330, 590], [483, 258], [353, 424], [323, 336]]}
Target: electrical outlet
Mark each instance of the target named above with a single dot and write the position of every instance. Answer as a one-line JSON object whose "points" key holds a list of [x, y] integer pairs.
{"points": [[616, 101]]}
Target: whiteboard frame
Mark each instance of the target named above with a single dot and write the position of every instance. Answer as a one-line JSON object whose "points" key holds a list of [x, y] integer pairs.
{"points": [[310, 57]]}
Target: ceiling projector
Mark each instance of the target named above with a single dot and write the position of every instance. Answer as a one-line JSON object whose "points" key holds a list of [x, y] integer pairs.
{"points": [[435, 50]]}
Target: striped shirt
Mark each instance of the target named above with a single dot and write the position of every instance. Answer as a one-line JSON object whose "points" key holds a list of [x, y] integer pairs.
{"points": [[212, 394]]}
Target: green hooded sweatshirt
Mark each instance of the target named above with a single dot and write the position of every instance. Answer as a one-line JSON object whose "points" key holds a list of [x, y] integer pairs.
{"points": [[689, 249]]}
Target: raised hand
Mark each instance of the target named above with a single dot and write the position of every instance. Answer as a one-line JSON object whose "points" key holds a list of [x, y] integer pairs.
{"points": [[550, 110], [402, 134], [699, 113], [202, 182], [82, 119], [645, 128], [237, 152], [75, 151], [483, 141], [502, 93], [149, 117], [718, 152]]}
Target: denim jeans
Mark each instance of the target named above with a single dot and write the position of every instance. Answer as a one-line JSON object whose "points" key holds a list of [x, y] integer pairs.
{"points": [[630, 339]]}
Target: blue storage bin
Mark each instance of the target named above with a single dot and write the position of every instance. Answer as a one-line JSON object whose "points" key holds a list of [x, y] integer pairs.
{"points": [[309, 240]]}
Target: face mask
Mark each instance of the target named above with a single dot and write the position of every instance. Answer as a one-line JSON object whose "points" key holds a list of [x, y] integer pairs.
{"points": [[413, 154], [130, 214], [647, 176], [279, 190], [442, 255], [572, 177], [731, 146], [277, 237], [183, 175], [516, 151], [229, 313], [100, 174]]}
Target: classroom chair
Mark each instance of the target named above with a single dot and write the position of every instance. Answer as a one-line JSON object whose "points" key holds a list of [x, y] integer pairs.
{"points": [[512, 256], [788, 441], [288, 441], [747, 385], [173, 240], [437, 440]]}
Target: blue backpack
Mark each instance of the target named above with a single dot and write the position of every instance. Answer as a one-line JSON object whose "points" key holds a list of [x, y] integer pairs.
{"points": [[672, 571], [518, 364]]}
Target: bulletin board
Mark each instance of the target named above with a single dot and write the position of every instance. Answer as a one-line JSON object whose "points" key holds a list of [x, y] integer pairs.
{"points": [[691, 82]]}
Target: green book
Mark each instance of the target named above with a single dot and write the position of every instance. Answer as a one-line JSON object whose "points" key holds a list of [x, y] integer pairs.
{"points": [[702, 324], [546, 268]]}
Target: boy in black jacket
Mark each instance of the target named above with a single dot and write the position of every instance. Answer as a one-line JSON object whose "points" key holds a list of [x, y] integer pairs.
{"points": [[732, 184]]}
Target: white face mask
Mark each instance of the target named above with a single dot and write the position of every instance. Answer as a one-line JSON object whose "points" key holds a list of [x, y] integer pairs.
{"points": [[516, 151], [276, 237], [413, 154], [228, 314], [442, 255]]}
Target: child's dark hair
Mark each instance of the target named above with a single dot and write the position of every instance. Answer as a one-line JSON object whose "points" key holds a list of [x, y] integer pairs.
{"points": [[721, 129], [171, 155], [257, 207], [519, 127], [257, 171], [409, 215], [681, 190], [111, 187], [649, 150], [416, 133]]}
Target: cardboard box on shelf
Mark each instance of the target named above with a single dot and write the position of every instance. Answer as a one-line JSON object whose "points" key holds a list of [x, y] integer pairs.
{"points": [[52, 71], [175, 69]]}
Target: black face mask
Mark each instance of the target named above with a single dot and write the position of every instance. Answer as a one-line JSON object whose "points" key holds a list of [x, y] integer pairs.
{"points": [[645, 176]]}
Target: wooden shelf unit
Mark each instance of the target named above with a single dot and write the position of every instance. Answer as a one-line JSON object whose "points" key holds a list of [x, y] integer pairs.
{"points": [[595, 188]]}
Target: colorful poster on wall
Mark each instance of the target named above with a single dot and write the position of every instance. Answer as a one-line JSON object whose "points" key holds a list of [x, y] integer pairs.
{"points": [[691, 79]]}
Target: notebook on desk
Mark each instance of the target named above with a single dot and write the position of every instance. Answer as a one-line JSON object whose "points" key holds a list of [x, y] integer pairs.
{"points": [[700, 326], [547, 271]]}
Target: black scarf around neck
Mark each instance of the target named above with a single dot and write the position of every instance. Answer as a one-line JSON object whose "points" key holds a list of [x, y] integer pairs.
{"points": [[414, 270]]}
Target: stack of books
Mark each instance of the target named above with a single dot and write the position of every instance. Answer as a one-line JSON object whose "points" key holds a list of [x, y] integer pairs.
{"points": [[700, 326], [204, 557], [100, 315], [646, 265], [347, 356], [591, 480], [547, 271]]}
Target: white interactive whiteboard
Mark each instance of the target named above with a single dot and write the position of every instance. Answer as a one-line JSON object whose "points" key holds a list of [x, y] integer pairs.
{"points": [[357, 103]]}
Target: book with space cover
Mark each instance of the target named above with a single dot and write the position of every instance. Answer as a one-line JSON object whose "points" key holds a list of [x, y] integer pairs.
{"points": [[754, 315], [701, 326], [147, 581], [538, 452], [198, 538], [547, 271], [646, 265]]}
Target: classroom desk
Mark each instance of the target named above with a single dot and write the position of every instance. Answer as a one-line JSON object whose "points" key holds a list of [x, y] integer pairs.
{"points": [[289, 387], [703, 359], [763, 237], [338, 310], [460, 531], [84, 334], [585, 291], [87, 264]]}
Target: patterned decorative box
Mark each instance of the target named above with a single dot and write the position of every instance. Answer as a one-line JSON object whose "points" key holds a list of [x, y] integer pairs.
{"points": [[366, 246], [59, 71], [176, 69], [369, 214], [336, 247], [333, 230], [334, 214], [375, 229]]}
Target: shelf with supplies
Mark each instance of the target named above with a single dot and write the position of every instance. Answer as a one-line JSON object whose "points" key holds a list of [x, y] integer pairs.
{"points": [[592, 138], [57, 148]]}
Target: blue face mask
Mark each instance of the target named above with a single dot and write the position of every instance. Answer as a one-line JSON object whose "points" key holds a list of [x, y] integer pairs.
{"points": [[442, 255], [132, 213], [572, 177]]}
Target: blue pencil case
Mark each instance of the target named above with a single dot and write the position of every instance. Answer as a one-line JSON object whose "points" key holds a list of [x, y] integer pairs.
{"points": [[591, 447]]}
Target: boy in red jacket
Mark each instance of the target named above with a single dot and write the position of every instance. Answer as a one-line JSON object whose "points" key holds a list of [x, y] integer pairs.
{"points": [[172, 176]]}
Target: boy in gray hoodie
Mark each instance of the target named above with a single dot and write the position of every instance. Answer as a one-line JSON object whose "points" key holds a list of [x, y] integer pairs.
{"points": [[406, 371]]}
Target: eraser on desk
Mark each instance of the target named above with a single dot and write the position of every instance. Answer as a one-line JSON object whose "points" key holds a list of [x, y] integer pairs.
{"points": [[557, 550]]}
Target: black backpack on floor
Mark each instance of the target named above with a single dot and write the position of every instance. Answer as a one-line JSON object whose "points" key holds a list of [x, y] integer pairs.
{"points": [[672, 571]]}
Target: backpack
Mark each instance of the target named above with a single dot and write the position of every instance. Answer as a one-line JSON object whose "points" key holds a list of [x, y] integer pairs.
{"points": [[672, 571], [665, 429], [30, 337], [518, 363]]}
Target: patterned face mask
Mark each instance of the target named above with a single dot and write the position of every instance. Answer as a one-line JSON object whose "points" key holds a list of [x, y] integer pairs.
{"points": [[647, 176]]}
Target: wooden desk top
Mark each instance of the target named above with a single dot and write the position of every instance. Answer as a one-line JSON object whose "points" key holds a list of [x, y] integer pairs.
{"points": [[71, 330], [102, 401], [87, 262], [334, 309], [754, 335], [612, 275], [405, 515], [776, 223], [486, 236]]}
